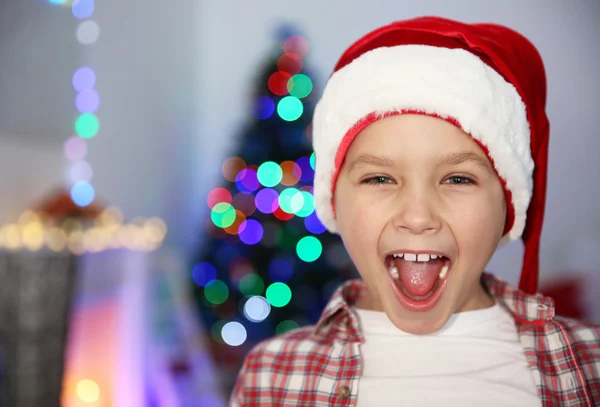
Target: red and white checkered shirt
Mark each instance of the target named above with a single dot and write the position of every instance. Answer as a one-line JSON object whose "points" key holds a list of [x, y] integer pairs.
{"points": [[320, 365]]}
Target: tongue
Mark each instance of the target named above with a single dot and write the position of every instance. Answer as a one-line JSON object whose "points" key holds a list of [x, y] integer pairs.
{"points": [[418, 278]]}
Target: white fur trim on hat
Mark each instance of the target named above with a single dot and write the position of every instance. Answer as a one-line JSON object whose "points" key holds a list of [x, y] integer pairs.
{"points": [[446, 82]]}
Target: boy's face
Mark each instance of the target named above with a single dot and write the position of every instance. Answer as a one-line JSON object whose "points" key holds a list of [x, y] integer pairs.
{"points": [[416, 184]]}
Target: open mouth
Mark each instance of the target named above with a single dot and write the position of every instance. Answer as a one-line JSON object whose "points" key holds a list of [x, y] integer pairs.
{"points": [[418, 280]]}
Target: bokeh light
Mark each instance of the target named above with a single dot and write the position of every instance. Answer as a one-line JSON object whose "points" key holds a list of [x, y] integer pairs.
{"points": [[300, 86], [277, 83], [223, 215], [257, 309], [279, 294], [84, 78], [308, 205], [280, 270], [309, 249], [216, 292], [88, 391], [291, 173], [231, 167], [87, 101], [81, 171], [203, 273], [285, 326], [216, 329], [296, 44], [289, 63], [234, 228], [82, 9], [264, 200], [290, 108], [313, 160], [281, 214], [218, 195], [87, 32], [264, 107], [245, 203], [82, 193], [75, 148], [234, 334], [291, 200], [252, 284], [269, 174], [308, 172], [251, 232], [239, 268], [87, 125], [246, 180], [313, 224]]}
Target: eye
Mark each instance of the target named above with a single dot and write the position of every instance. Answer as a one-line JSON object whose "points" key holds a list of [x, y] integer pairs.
{"points": [[378, 180], [459, 179]]}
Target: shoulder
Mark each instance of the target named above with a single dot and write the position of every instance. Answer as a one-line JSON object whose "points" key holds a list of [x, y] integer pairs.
{"points": [[581, 335], [298, 343], [274, 364], [584, 340]]}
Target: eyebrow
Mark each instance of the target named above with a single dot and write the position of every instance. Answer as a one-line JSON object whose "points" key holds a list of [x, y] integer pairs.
{"points": [[462, 157], [443, 159]]}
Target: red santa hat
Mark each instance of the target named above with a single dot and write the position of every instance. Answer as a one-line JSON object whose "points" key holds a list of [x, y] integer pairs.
{"points": [[484, 78]]}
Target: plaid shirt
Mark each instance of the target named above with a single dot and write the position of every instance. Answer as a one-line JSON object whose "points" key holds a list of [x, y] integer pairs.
{"points": [[320, 365]]}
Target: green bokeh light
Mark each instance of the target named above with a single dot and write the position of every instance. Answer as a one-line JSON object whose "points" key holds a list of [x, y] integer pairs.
{"points": [[216, 329], [252, 284], [269, 174], [216, 292], [279, 294], [291, 200], [87, 125], [300, 86], [223, 215], [308, 204], [290, 108], [285, 326], [309, 249], [313, 160]]}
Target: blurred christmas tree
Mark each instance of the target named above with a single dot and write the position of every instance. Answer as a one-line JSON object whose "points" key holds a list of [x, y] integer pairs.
{"points": [[268, 265]]}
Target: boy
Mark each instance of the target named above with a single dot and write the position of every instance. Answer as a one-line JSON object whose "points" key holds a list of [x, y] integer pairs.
{"points": [[431, 141]]}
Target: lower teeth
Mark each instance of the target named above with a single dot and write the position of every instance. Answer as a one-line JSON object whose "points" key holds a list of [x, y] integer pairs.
{"points": [[394, 272]]}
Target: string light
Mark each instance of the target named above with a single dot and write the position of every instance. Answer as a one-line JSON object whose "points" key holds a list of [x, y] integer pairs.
{"points": [[87, 102], [35, 232]]}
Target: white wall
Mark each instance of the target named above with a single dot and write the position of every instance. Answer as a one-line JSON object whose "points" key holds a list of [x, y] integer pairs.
{"points": [[236, 35], [26, 168], [146, 63]]}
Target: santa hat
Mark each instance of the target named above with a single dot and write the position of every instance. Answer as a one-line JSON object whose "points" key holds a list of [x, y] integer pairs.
{"points": [[484, 78]]}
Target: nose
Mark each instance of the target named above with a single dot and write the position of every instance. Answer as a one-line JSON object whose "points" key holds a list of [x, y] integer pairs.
{"points": [[416, 211]]}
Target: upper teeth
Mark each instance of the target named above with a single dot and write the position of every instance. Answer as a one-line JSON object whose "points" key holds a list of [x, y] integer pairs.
{"points": [[416, 257]]}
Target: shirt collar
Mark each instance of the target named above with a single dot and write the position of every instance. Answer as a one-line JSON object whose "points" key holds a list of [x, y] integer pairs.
{"points": [[526, 309]]}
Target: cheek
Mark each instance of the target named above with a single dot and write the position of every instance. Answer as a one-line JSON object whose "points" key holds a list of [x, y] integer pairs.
{"points": [[359, 222], [478, 224]]}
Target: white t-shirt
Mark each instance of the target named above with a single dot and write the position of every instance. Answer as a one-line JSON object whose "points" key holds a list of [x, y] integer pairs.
{"points": [[475, 360]]}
